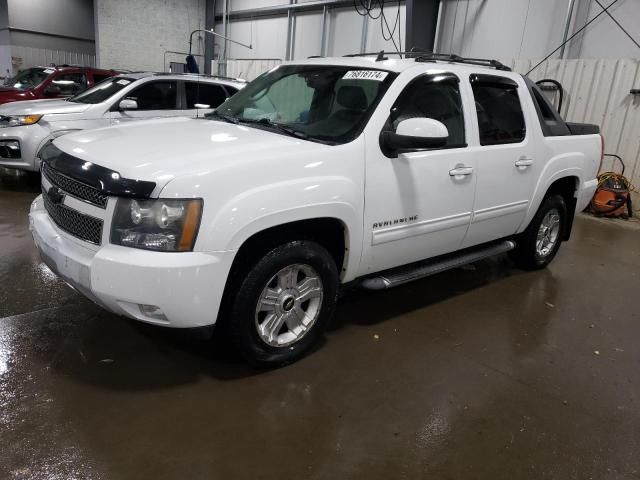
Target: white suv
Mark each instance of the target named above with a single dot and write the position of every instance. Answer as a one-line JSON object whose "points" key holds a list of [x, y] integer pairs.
{"points": [[26, 126], [318, 173]]}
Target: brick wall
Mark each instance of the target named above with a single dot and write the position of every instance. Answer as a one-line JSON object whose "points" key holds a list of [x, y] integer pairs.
{"points": [[135, 34]]}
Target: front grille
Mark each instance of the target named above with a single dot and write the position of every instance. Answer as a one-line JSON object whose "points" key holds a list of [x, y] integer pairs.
{"points": [[74, 187], [77, 224]]}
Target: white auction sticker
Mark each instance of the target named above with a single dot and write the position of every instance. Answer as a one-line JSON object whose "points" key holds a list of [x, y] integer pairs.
{"points": [[377, 75], [123, 82]]}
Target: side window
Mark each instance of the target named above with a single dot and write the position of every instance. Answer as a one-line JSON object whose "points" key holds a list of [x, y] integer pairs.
{"points": [[70, 83], [155, 95], [231, 91], [428, 98], [204, 93], [97, 78], [500, 118]]}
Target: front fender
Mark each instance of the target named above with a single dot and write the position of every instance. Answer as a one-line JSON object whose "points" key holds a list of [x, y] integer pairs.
{"points": [[267, 206]]}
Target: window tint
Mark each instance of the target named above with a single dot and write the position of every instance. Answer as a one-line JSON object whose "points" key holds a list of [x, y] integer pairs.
{"points": [[155, 95], [500, 117], [204, 93], [102, 91], [427, 98], [545, 109], [231, 90], [70, 83], [323, 103], [97, 78]]}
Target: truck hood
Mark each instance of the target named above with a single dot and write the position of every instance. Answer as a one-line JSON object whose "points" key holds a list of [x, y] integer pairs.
{"points": [[42, 107], [163, 149]]}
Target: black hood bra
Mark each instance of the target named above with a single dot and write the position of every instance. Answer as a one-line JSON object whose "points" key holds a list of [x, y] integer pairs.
{"points": [[103, 179]]}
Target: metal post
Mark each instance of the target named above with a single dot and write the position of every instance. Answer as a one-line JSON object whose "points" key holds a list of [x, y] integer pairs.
{"points": [[222, 65], [365, 30], [291, 32], [567, 24], [209, 24], [421, 24], [323, 41]]}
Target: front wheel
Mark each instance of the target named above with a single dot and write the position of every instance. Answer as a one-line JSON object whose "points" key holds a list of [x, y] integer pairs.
{"points": [[284, 304], [540, 242]]}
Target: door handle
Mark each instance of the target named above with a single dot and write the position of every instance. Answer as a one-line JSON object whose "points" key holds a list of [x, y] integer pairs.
{"points": [[524, 162], [461, 171]]}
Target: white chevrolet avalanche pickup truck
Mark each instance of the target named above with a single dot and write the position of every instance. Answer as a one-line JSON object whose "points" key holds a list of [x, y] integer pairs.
{"points": [[331, 170]]}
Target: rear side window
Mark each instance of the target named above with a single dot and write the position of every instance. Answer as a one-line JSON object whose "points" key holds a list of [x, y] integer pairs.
{"points": [[70, 83], [204, 93], [97, 78], [156, 95], [500, 117]]}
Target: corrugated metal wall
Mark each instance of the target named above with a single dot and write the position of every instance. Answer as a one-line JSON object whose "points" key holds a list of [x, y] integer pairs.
{"points": [[247, 68], [597, 91], [32, 57]]}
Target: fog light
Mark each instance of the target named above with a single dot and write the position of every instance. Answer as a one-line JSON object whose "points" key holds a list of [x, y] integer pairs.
{"points": [[152, 311]]}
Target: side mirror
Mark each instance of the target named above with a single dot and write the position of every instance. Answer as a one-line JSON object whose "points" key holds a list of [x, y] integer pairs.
{"points": [[52, 91], [128, 104], [415, 134]]}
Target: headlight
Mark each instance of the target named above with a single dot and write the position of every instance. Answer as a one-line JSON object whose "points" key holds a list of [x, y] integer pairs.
{"points": [[15, 121], [163, 224]]}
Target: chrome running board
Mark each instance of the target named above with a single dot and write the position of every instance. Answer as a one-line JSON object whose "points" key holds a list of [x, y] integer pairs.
{"points": [[415, 271]]}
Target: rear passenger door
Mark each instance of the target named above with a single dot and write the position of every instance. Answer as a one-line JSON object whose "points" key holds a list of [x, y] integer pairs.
{"points": [[155, 99], [505, 154], [202, 97]]}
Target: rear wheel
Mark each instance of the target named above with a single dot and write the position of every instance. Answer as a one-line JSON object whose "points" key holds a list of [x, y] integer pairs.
{"points": [[284, 303], [539, 243]]}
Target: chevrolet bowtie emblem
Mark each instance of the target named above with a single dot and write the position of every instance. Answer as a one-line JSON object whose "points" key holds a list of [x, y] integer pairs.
{"points": [[55, 195]]}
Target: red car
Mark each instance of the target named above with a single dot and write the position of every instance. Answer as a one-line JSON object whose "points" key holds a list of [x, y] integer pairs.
{"points": [[51, 82]]}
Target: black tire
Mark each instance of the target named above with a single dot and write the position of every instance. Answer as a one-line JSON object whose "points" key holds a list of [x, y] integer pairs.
{"points": [[244, 321], [526, 254]]}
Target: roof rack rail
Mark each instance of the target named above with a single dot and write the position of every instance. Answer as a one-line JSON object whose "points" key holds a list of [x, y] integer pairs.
{"points": [[422, 56], [450, 57]]}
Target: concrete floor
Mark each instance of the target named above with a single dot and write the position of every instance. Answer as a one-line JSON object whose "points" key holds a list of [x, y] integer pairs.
{"points": [[480, 373]]}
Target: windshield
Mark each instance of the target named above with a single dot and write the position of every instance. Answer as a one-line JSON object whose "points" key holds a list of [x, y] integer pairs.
{"points": [[328, 104], [103, 90], [29, 78]]}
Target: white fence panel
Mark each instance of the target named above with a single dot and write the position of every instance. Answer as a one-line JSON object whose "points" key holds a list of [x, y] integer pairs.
{"points": [[598, 91]]}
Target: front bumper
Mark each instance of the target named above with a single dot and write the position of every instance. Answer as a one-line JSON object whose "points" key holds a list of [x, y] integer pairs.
{"points": [[30, 138], [185, 287]]}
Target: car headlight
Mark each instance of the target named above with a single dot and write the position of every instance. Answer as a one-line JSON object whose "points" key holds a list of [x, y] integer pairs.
{"points": [[17, 120], [163, 225]]}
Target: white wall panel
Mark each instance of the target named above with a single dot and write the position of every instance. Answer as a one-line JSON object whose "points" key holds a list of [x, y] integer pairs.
{"points": [[42, 57]]}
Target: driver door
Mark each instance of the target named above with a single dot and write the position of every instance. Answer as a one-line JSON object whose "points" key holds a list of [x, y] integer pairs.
{"points": [[419, 204]]}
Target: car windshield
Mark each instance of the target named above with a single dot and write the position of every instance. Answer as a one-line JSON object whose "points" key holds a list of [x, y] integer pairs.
{"points": [[103, 90], [329, 104], [29, 78]]}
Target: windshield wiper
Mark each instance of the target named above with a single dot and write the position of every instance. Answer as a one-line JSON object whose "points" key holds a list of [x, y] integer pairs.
{"points": [[292, 132], [221, 116]]}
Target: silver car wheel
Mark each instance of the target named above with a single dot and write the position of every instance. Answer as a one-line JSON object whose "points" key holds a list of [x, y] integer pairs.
{"points": [[548, 233], [289, 305]]}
